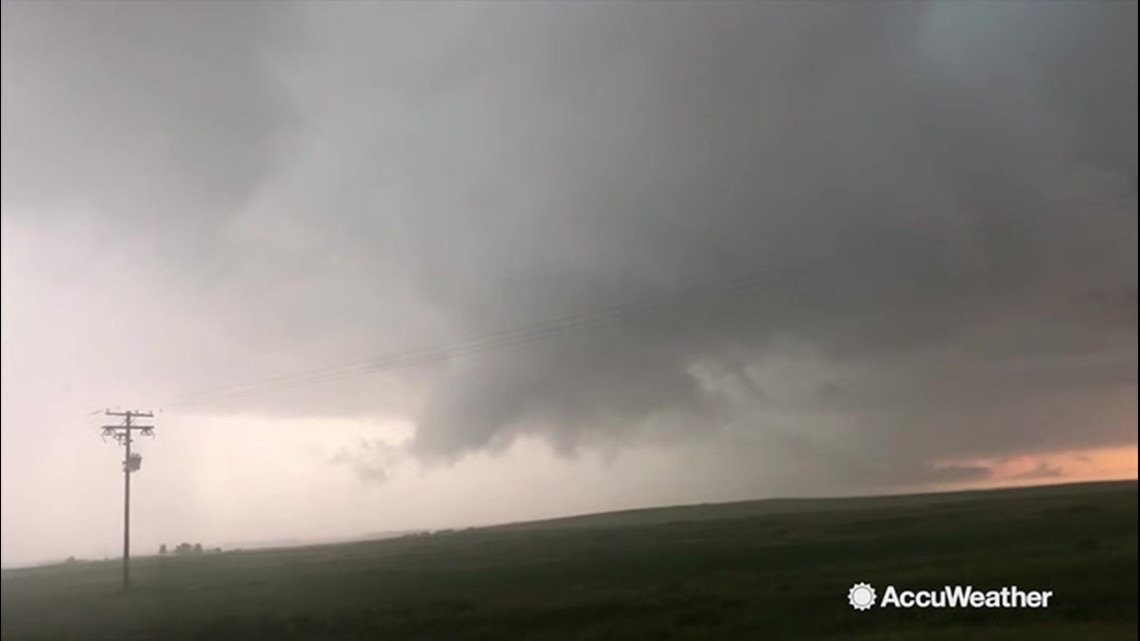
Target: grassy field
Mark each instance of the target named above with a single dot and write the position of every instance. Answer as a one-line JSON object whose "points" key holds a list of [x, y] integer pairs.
{"points": [[763, 569]]}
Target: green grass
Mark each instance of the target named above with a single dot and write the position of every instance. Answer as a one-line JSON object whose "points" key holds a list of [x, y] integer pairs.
{"points": [[764, 569]]}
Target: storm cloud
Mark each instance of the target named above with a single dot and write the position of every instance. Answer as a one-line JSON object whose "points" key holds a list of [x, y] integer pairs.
{"points": [[932, 207]]}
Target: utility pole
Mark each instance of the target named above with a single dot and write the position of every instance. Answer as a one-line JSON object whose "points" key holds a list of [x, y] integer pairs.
{"points": [[124, 434]]}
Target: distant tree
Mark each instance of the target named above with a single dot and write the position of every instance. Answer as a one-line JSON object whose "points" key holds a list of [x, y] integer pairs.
{"points": [[183, 548], [162, 549], [197, 548]]}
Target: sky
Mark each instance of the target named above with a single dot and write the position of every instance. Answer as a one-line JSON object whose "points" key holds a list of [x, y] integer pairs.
{"points": [[793, 249]]}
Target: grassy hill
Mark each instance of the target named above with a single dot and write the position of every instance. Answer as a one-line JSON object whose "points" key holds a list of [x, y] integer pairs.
{"points": [[772, 569]]}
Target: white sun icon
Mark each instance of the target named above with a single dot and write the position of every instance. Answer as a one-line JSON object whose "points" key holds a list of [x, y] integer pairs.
{"points": [[861, 596]]}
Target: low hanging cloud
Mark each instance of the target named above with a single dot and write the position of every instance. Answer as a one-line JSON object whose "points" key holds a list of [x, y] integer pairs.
{"points": [[934, 204], [371, 461]]}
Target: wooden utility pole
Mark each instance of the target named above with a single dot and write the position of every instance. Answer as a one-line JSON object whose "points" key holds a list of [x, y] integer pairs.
{"points": [[124, 434]]}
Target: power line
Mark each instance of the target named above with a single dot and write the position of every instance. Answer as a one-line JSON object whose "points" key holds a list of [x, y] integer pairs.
{"points": [[549, 329], [543, 330]]}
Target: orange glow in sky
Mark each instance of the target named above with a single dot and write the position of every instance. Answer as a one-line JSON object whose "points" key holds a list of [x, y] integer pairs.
{"points": [[1057, 467]]}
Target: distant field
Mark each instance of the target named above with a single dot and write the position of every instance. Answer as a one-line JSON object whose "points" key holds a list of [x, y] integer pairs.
{"points": [[754, 570]]}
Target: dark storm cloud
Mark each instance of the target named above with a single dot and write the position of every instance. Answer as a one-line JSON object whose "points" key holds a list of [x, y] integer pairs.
{"points": [[162, 116], [903, 182], [937, 202]]}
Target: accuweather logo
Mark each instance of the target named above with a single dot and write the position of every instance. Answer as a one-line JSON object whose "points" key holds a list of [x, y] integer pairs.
{"points": [[863, 597]]}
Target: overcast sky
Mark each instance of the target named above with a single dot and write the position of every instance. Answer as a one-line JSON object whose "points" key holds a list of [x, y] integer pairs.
{"points": [[932, 206]]}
